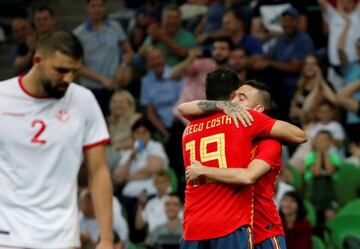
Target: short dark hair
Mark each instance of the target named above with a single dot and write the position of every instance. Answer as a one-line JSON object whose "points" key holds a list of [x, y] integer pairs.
{"points": [[43, 8], [173, 194], [325, 132], [63, 41], [241, 48], [299, 199], [264, 91], [226, 39], [220, 83], [143, 122]]}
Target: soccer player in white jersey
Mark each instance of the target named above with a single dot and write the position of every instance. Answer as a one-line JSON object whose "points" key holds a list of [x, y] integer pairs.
{"points": [[48, 125]]}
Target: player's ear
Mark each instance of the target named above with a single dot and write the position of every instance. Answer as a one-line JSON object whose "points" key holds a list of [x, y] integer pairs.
{"points": [[259, 108], [37, 58]]}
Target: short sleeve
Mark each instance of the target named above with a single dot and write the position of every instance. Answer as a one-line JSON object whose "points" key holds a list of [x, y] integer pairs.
{"points": [[269, 150], [121, 36], [156, 149], [96, 132], [262, 125]]}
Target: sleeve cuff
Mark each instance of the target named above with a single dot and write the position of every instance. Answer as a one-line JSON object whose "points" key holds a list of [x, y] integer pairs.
{"points": [[101, 142]]}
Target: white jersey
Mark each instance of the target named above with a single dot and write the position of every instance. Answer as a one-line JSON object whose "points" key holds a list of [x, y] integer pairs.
{"points": [[41, 145]]}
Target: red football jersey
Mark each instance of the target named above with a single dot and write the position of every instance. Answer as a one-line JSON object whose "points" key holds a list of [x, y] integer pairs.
{"points": [[215, 209], [267, 222]]}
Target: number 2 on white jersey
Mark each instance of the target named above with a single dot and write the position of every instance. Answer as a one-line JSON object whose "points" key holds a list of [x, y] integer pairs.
{"points": [[41, 124], [205, 156]]}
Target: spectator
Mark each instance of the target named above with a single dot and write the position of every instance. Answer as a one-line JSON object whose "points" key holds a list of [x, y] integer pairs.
{"points": [[266, 22], [44, 20], [152, 212], [351, 75], [159, 93], [336, 19], [239, 62], [122, 117], [325, 115], [136, 169], [26, 42], [170, 233], [285, 59], [173, 40], [321, 165], [147, 13], [105, 45], [297, 228], [138, 166], [89, 230], [212, 20], [312, 90], [234, 26]]}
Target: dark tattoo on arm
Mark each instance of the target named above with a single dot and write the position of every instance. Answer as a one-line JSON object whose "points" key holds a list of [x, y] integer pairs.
{"points": [[208, 106]]}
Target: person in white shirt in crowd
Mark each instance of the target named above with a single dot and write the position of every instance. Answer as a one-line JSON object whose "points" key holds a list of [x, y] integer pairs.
{"points": [[151, 212], [89, 229], [137, 167], [336, 19]]}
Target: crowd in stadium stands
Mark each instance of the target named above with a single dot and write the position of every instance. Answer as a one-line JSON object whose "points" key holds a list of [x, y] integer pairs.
{"points": [[306, 51]]}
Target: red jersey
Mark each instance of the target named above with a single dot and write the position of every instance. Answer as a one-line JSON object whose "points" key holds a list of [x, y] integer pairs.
{"points": [[267, 222], [212, 209]]}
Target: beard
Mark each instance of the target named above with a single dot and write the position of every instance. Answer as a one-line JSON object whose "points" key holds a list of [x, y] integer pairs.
{"points": [[221, 61], [58, 91]]}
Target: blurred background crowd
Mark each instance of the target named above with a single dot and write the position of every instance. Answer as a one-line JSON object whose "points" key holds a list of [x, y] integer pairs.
{"points": [[145, 57]]}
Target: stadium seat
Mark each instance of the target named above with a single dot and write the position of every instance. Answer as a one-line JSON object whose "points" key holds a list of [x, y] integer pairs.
{"points": [[351, 208], [311, 212], [317, 243], [342, 227], [347, 183], [173, 179]]}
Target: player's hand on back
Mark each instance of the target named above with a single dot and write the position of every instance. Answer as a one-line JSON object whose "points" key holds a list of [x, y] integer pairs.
{"points": [[194, 171], [237, 113]]}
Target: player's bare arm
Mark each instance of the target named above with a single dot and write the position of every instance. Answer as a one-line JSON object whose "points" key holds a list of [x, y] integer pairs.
{"points": [[243, 176], [197, 108], [101, 191], [288, 133]]}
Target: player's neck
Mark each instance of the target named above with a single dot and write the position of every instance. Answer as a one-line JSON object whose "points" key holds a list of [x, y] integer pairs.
{"points": [[32, 85]]}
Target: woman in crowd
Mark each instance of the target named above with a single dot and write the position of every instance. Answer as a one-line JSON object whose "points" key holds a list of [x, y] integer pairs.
{"points": [[122, 117], [312, 90], [297, 228]]}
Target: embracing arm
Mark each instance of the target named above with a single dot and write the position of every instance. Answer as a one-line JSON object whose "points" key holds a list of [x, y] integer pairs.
{"points": [[202, 107], [244, 176], [287, 132], [101, 192]]}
